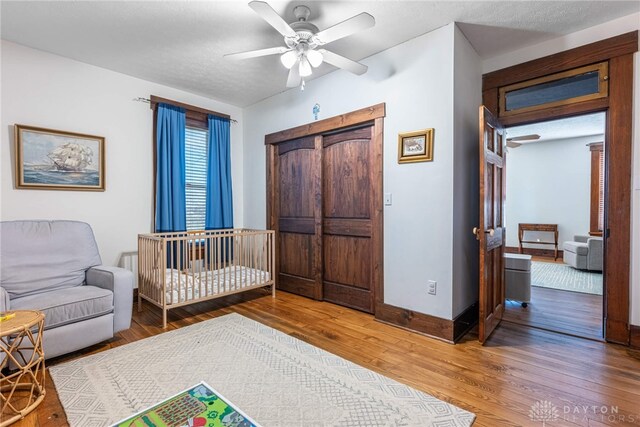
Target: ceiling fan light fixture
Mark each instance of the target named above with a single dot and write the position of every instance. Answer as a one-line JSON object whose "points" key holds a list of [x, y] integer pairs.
{"points": [[305, 66], [301, 38], [315, 58], [289, 59]]}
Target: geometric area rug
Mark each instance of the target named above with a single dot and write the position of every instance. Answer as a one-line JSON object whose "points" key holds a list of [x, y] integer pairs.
{"points": [[565, 277], [274, 378]]}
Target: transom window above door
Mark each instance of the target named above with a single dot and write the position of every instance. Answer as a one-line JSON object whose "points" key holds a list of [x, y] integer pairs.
{"points": [[579, 84]]}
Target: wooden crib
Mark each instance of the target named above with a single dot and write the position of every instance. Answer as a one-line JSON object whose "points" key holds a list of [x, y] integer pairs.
{"points": [[177, 269]]}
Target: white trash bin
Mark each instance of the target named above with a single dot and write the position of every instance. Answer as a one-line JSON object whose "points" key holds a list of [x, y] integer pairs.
{"points": [[517, 277]]}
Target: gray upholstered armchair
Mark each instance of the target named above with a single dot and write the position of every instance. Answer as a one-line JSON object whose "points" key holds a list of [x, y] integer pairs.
{"points": [[55, 267], [584, 253]]}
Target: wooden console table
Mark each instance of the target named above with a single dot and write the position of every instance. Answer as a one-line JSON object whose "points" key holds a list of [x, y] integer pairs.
{"points": [[550, 228]]}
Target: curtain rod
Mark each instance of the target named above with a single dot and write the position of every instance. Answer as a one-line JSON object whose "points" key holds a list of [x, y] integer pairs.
{"points": [[148, 101]]}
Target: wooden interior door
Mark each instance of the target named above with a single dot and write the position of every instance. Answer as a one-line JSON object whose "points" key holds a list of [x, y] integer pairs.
{"points": [[348, 207], [491, 232], [297, 194]]}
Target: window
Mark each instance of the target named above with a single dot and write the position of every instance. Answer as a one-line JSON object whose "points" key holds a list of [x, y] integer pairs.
{"points": [[177, 210], [580, 84], [196, 176], [597, 189]]}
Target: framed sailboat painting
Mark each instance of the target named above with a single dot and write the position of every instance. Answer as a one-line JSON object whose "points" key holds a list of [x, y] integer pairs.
{"points": [[48, 159]]}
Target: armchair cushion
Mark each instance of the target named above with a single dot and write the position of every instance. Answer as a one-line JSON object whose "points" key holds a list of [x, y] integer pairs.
{"points": [[39, 256], [70, 305]]}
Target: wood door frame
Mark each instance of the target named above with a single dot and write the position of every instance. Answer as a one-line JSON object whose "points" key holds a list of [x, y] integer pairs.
{"points": [[373, 115], [618, 51]]}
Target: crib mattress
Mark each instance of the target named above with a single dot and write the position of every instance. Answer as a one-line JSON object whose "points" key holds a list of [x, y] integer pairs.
{"points": [[191, 286]]}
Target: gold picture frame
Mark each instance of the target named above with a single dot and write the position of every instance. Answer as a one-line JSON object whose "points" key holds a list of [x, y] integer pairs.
{"points": [[415, 146], [49, 159]]}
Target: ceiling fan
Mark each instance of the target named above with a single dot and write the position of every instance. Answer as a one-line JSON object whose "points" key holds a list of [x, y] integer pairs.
{"points": [[514, 142], [303, 40]]}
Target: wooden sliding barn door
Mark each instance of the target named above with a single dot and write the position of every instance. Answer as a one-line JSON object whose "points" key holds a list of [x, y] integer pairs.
{"points": [[297, 216], [347, 211], [324, 200]]}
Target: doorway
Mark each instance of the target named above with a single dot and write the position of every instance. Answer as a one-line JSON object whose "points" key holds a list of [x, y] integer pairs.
{"points": [[610, 63], [554, 213]]}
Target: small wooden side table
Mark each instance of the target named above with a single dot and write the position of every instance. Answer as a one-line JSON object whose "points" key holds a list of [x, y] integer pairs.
{"points": [[550, 228], [22, 372]]}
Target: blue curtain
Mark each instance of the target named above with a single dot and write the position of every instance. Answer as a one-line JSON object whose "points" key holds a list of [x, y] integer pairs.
{"points": [[170, 169], [219, 197]]}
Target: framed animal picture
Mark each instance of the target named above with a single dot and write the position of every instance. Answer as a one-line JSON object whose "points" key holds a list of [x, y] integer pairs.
{"points": [[48, 159], [415, 146]]}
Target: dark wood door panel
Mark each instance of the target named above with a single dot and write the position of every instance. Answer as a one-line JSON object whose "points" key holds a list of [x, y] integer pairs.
{"points": [[495, 241], [297, 285], [348, 296], [347, 227], [345, 181], [307, 143], [347, 208], [297, 254], [363, 133], [347, 260], [296, 184], [297, 225]]}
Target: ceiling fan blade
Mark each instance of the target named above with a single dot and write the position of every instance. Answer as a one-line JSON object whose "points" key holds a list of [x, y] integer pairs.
{"points": [[294, 76], [342, 62], [511, 144], [271, 16], [257, 53], [532, 137], [345, 28]]}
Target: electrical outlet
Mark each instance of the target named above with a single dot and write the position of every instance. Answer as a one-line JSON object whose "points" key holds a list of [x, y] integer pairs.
{"points": [[431, 287]]}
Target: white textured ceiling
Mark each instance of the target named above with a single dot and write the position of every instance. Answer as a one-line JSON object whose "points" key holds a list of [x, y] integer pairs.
{"points": [[181, 43], [572, 127]]}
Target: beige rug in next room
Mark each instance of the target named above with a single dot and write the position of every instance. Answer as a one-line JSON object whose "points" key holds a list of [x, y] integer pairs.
{"points": [[566, 278]]}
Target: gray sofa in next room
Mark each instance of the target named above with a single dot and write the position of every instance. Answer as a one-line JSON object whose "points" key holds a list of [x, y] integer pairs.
{"points": [[55, 267]]}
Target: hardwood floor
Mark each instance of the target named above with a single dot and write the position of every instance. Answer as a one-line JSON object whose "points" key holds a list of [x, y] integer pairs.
{"points": [[499, 382], [555, 310], [571, 313]]}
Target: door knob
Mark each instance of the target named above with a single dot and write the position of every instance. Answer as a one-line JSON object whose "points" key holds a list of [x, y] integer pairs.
{"points": [[490, 231]]}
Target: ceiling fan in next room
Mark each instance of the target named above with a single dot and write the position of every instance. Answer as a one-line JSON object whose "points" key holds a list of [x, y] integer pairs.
{"points": [[303, 40], [517, 141]]}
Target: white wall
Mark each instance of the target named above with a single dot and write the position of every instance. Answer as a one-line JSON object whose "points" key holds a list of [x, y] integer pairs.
{"points": [[50, 91], [549, 182], [590, 35], [467, 90], [415, 79]]}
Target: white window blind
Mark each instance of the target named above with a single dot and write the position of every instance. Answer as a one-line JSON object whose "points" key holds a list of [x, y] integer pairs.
{"points": [[196, 176]]}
